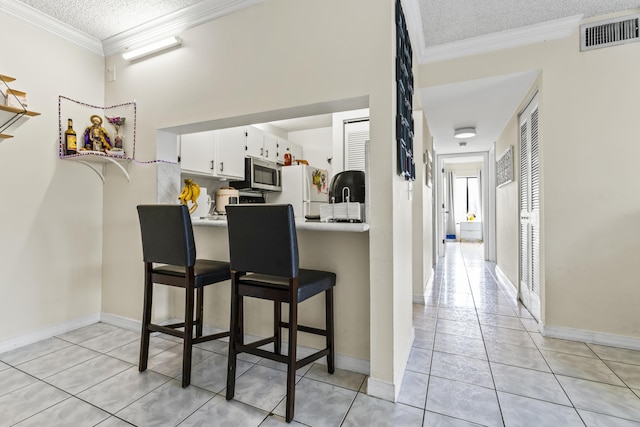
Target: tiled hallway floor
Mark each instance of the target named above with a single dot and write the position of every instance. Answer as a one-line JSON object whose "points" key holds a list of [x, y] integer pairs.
{"points": [[477, 359]]}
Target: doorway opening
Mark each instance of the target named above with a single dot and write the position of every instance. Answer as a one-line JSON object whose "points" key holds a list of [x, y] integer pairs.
{"points": [[465, 200]]}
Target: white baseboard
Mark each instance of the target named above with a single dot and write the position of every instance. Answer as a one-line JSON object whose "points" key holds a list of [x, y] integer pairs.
{"points": [[419, 299], [381, 389], [121, 322], [505, 283], [48, 332], [600, 338], [572, 334], [385, 389]]}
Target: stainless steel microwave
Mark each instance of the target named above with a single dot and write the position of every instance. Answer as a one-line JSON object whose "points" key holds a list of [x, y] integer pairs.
{"points": [[259, 175]]}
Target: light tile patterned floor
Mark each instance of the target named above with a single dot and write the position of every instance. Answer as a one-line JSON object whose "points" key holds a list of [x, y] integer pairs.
{"points": [[477, 360]]}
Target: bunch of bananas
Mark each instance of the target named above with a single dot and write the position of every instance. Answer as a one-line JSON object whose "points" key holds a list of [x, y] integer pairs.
{"points": [[191, 191]]}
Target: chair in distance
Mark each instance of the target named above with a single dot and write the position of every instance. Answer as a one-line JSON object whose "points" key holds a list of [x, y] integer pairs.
{"points": [[263, 252], [167, 239]]}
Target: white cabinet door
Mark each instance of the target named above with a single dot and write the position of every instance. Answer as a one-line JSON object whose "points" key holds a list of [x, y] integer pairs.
{"points": [[197, 152], [230, 150], [270, 148], [254, 142], [296, 152], [283, 144]]}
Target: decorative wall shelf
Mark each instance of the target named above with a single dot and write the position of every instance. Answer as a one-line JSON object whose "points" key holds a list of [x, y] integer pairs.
{"points": [[81, 112], [95, 159], [11, 117]]}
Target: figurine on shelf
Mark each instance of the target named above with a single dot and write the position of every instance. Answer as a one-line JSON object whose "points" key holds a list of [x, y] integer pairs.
{"points": [[96, 137]]}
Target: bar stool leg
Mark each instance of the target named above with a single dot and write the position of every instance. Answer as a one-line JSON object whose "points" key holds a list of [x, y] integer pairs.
{"points": [[329, 326], [277, 330], [199, 311], [234, 330], [188, 336], [291, 360], [146, 318]]}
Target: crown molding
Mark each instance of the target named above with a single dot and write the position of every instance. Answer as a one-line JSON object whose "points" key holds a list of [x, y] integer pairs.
{"points": [[174, 23], [545, 31], [413, 17], [168, 25], [48, 23]]}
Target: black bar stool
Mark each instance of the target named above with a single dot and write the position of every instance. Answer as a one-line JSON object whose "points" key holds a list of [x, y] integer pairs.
{"points": [[263, 251], [167, 238]]}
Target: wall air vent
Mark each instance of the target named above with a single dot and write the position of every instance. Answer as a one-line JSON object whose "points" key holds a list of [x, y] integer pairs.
{"points": [[612, 32]]}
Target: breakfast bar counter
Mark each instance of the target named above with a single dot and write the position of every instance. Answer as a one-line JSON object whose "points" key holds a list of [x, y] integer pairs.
{"points": [[353, 227]]}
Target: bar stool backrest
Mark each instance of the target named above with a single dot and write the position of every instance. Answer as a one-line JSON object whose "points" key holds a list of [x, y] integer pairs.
{"points": [[167, 235], [263, 239]]}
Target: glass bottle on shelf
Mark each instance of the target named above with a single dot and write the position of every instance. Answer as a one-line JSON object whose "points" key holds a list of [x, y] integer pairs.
{"points": [[70, 140]]}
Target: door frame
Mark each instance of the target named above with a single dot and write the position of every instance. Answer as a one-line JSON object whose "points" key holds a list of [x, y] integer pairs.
{"points": [[488, 200]]}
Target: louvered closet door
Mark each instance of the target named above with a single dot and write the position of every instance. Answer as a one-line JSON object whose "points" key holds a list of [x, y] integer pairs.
{"points": [[530, 209], [355, 136]]}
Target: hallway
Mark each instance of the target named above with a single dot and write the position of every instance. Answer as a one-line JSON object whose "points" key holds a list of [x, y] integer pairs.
{"points": [[477, 359]]}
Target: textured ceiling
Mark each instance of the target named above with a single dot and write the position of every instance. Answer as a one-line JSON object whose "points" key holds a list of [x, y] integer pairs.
{"points": [[446, 21], [105, 18], [443, 21]]}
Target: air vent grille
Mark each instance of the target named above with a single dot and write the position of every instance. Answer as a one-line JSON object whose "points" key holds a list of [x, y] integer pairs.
{"points": [[610, 33]]}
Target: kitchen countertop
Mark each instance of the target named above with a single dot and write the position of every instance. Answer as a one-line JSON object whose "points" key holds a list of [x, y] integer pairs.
{"points": [[353, 227]]}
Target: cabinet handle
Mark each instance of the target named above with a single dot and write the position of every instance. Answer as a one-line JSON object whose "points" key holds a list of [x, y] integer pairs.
{"points": [[262, 151], [267, 155], [211, 164], [221, 166]]}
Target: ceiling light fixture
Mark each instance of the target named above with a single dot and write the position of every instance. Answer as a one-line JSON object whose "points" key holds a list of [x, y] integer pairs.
{"points": [[464, 132], [152, 48]]}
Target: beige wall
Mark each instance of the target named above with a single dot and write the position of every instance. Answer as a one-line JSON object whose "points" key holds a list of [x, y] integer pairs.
{"points": [[422, 262], [507, 211], [588, 114], [51, 210], [249, 63]]}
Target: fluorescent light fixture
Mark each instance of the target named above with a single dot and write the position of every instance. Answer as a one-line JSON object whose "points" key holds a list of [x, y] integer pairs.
{"points": [[464, 132], [152, 48]]}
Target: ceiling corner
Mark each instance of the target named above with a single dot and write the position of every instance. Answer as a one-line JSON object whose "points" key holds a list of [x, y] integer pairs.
{"points": [[39, 19]]}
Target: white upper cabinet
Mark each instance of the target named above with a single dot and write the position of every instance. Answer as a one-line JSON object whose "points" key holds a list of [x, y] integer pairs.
{"points": [[230, 152], [270, 148], [254, 142], [218, 153], [197, 152], [261, 145], [294, 149], [296, 152]]}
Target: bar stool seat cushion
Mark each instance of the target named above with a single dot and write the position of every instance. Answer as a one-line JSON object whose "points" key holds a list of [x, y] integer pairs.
{"points": [[310, 282], [206, 271]]}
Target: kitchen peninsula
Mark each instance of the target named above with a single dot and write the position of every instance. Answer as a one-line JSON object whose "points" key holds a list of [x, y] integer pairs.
{"points": [[339, 247]]}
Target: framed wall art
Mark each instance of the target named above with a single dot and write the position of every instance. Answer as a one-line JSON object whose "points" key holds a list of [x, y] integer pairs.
{"points": [[504, 167]]}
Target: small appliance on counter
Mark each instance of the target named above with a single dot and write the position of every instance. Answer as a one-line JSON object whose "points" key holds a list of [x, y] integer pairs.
{"points": [[226, 196], [346, 197]]}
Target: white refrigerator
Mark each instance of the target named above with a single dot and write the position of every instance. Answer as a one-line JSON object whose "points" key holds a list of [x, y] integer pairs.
{"points": [[305, 188]]}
